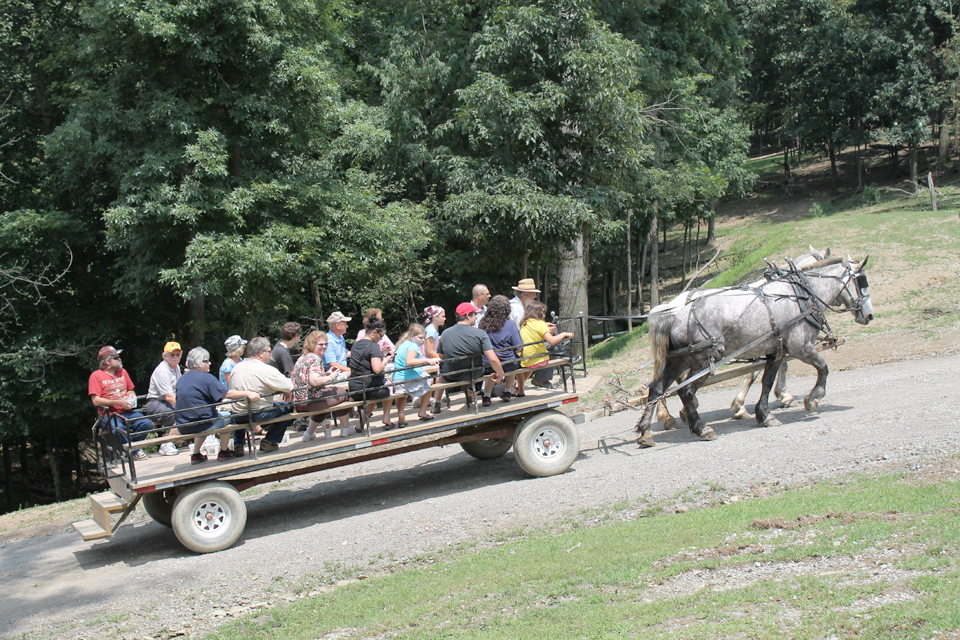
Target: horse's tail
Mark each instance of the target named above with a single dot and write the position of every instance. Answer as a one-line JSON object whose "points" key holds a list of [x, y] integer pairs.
{"points": [[662, 325]]}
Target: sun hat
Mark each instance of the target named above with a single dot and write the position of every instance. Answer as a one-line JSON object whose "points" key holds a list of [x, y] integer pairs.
{"points": [[527, 285]]}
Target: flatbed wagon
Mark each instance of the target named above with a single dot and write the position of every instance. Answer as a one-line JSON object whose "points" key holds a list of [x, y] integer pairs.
{"points": [[203, 505]]}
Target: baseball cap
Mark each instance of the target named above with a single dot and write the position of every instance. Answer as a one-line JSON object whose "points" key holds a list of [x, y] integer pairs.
{"points": [[106, 352], [466, 308], [170, 347], [336, 317]]}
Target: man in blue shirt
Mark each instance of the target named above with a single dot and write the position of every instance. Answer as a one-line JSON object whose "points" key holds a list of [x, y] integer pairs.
{"points": [[337, 353]]}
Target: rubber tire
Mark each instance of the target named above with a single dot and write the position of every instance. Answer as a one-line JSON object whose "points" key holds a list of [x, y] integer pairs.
{"points": [[487, 449], [532, 436], [159, 506], [223, 503]]}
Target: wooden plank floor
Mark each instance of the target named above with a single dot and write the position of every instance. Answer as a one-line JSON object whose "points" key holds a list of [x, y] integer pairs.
{"points": [[159, 469]]}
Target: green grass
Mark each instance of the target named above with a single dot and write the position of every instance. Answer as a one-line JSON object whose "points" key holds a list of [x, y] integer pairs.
{"points": [[772, 167], [616, 345], [864, 557]]}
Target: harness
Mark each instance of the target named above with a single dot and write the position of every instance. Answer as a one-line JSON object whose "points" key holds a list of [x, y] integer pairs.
{"points": [[810, 309]]}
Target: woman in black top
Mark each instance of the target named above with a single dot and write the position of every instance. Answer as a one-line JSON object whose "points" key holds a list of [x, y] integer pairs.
{"points": [[367, 360]]}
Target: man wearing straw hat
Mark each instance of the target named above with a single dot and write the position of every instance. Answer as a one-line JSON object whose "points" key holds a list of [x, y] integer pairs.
{"points": [[525, 292]]}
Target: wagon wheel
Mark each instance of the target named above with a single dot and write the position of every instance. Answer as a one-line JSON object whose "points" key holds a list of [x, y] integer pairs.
{"points": [[546, 444], [159, 506], [209, 516], [488, 448]]}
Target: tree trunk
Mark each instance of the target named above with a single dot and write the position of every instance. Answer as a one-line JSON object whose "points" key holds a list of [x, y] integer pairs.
{"points": [[25, 497], [913, 167], [859, 171], [195, 326], [572, 284], [317, 307], [640, 274], [654, 263], [944, 148], [606, 305], [833, 163], [712, 223], [786, 162], [684, 253], [546, 285], [7, 478], [629, 277], [54, 469], [523, 264]]}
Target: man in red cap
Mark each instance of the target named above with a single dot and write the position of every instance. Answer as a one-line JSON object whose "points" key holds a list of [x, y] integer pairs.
{"points": [[461, 347], [111, 391]]}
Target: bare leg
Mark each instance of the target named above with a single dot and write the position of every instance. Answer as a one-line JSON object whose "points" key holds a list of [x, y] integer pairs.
{"points": [[401, 405], [424, 405], [387, 404]]}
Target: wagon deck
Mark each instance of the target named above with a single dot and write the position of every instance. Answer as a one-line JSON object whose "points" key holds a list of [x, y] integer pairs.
{"points": [[203, 505]]}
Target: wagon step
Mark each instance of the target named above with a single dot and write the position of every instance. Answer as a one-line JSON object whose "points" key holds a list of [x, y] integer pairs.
{"points": [[102, 504]]}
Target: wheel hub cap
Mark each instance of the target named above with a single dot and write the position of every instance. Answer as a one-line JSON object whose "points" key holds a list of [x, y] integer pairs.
{"points": [[548, 443], [210, 517]]}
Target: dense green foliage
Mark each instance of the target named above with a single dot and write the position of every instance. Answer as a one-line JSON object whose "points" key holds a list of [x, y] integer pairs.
{"points": [[189, 170]]}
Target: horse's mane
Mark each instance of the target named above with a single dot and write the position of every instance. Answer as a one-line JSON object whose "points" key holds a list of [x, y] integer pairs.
{"points": [[822, 263]]}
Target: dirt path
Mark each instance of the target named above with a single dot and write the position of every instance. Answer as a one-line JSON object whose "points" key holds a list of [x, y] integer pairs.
{"points": [[304, 536]]}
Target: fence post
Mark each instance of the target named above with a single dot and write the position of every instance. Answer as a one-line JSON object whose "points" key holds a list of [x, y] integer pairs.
{"points": [[933, 193]]}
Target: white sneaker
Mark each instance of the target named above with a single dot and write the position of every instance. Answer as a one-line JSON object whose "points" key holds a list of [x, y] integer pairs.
{"points": [[168, 449], [307, 436], [139, 454]]}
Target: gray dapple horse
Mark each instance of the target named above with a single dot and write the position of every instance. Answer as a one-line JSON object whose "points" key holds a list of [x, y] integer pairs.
{"points": [[737, 408], [781, 317]]}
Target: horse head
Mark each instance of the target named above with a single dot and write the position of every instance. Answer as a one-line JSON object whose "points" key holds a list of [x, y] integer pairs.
{"points": [[856, 291]]}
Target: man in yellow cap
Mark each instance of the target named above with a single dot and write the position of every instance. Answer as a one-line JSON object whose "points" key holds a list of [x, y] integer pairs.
{"points": [[161, 394]]}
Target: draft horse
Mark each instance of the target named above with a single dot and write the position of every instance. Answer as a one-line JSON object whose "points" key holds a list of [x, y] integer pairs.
{"points": [[780, 317], [737, 408]]}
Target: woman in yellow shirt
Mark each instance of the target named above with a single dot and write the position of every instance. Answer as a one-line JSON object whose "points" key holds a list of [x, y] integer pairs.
{"points": [[534, 328]]}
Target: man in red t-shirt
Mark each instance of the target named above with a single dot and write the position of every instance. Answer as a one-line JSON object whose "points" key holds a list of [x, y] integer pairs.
{"points": [[111, 391]]}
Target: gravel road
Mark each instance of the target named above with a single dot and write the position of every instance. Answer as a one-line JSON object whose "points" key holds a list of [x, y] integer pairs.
{"points": [[303, 536]]}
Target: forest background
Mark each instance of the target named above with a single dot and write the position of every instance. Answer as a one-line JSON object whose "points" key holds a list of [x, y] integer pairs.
{"points": [[186, 170]]}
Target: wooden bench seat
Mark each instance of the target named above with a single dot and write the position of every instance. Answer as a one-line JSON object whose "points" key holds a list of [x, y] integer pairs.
{"points": [[442, 386]]}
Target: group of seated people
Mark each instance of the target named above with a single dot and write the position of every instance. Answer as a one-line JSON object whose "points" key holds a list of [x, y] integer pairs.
{"points": [[487, 342]]}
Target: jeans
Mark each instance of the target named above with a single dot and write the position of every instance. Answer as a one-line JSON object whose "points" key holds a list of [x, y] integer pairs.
{"points": [[135, 424], [274, 431]]}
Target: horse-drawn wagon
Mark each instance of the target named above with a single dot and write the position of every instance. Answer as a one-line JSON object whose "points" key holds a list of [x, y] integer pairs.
{"points": [[203, 504]]}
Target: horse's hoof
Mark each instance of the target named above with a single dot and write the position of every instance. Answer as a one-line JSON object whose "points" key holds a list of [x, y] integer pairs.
{"points": [[810, 405], [771, 422], [786, 400], [738, 414], [645, 441], [708, 434], [670, 424]]}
